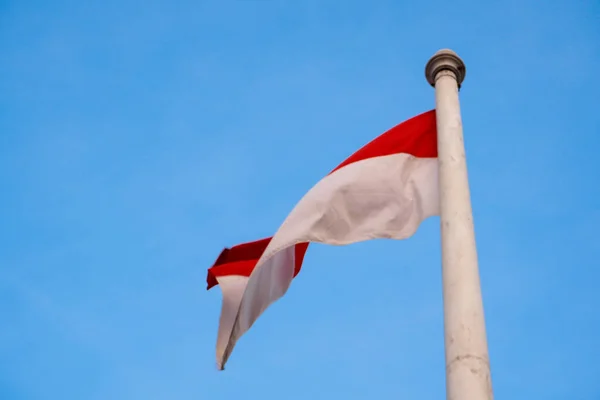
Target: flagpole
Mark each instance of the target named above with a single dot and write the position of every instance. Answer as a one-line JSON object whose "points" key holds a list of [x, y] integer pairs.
{"points": [[467, 362]]}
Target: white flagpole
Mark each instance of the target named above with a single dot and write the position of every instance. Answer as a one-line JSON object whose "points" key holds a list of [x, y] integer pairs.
{"points": [[467, 362]]}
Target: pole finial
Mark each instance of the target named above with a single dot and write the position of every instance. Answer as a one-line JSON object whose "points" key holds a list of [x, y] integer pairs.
{"points": [[445, 60]]}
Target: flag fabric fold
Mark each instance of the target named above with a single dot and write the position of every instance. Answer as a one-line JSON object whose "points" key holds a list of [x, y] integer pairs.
{"points": [[384, 190]]}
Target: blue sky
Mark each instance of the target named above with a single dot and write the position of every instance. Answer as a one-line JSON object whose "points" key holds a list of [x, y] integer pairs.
{"points": [[139, 138]]}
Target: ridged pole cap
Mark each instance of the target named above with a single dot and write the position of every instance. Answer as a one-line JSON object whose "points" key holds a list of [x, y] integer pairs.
{"points": [[448, 60]]}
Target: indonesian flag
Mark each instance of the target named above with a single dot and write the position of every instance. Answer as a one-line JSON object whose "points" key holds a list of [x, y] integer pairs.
{"points": [[384, 190]]}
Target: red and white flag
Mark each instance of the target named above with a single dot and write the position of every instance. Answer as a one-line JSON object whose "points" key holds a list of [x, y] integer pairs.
{"points": [[384, 190]]}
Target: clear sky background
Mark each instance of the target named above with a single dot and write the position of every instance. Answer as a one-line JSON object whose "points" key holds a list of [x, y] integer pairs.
{"points": [[137, 139]]}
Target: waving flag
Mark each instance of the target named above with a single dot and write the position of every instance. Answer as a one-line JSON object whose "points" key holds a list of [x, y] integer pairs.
{"points": [[384, 190]]}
